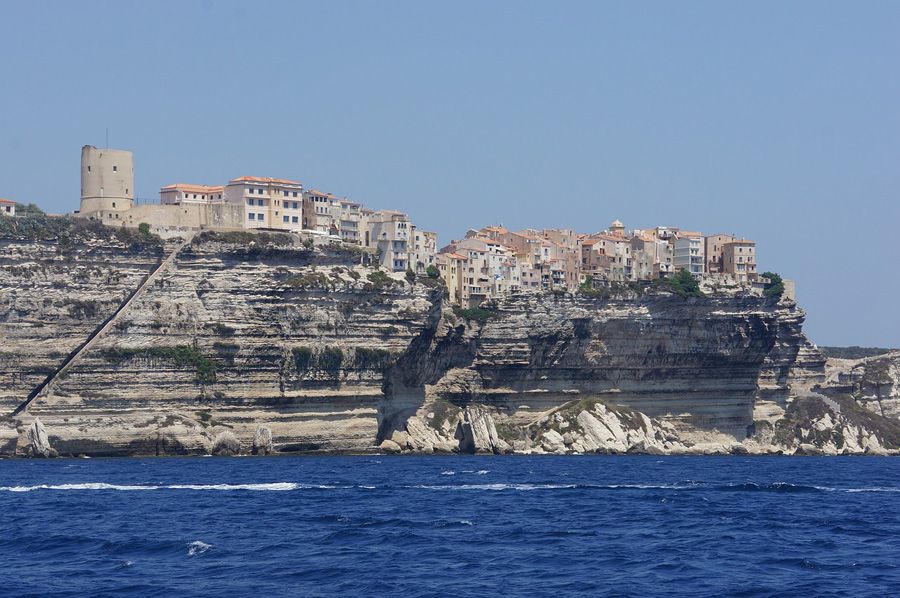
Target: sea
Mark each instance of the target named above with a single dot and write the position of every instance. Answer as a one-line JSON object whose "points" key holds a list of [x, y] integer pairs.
{"points": [[451, 526]]}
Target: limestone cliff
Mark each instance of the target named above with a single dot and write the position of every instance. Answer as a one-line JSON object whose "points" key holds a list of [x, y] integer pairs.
{"points": [[240, 342]]}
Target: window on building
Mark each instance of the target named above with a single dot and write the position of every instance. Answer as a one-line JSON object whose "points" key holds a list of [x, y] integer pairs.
{"points": [[259, 202], [89, 168], [286, 219], [294, 219], [114, 204], [115, 169], [251, 216], [295, 194], [285, 193], [260, 217], [249, 202]]}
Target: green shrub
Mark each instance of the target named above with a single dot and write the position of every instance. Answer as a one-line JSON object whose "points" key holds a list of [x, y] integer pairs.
{"points": [[378, 280], [773, 289], [432, 271], [308, 280], [372, 359], [682, 284], [302, 358], [144, 228], [29, 209], [183, 356], [330, 360]]}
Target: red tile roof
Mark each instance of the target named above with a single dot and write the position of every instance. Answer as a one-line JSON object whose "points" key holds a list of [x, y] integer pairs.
{"points": [[193, 188], [257, 179]]}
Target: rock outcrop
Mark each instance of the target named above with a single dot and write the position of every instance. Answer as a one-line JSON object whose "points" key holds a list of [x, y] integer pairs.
{"points": [[36, 442]]}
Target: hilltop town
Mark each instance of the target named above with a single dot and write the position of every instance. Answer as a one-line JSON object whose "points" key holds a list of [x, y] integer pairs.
{"points": [[489, 262]]}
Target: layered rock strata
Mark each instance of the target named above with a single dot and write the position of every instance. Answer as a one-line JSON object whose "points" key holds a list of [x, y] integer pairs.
{"points": [[258, 344]]}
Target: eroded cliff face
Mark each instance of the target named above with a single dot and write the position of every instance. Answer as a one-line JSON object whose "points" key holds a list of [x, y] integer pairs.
{"points": [[256, 343]]}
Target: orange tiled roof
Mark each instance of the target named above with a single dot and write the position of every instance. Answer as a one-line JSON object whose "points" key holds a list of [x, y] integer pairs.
{"points": [[7, 201], [258, 179], [193, 188]]}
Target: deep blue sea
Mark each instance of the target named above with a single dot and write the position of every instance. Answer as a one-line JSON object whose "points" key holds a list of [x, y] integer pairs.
{"points": [[458, 526]]}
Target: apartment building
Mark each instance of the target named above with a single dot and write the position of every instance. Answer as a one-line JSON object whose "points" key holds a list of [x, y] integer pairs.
{"points": [[268, 202], [739, 260], [451, 265], [713, 247], [322, 212], [349, 219], [423, 249], [389, 232], [689, 253]]}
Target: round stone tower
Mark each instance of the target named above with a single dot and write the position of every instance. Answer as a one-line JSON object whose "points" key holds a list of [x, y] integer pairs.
{"points": [[107, 179]]}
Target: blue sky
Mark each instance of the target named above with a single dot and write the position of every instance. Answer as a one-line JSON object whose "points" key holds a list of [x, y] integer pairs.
{"points": [[779, 121]]}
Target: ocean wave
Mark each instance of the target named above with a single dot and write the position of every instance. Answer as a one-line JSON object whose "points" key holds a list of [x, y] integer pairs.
{"points": [[495, 487], [276, 486], [197, 547]]}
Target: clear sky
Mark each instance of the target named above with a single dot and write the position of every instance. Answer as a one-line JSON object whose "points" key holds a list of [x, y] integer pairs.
{"points": [[779, 121]]}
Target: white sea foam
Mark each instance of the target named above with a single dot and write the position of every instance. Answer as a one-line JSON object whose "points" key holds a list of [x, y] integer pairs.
{"points": [[448, 472], [276, 486], [496, 487], [197, 547]]}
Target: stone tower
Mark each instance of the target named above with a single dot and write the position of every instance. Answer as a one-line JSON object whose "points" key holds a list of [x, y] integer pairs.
{"points": [[107, 179]]}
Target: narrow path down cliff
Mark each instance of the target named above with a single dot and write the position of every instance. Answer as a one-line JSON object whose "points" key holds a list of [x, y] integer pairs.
{"points": [[101, 330]]}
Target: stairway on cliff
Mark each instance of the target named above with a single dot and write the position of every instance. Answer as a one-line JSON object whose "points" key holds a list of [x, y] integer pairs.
{"points": [[103, 328]]}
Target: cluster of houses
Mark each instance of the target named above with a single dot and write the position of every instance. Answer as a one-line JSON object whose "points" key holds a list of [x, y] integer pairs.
{"points": [[489, 262], [493, 261], [285, 205]]}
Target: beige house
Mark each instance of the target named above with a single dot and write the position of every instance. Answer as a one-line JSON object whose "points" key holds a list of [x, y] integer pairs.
{"points": [[714, 246], [389, 232], [268, 202], [185, 193], [451, 265], [423, 249], [322, 212], [739, 259], [7, 207], [349, 220]]}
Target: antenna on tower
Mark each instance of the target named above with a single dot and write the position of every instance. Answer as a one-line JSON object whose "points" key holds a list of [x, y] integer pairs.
{"points": [[107, 137]]}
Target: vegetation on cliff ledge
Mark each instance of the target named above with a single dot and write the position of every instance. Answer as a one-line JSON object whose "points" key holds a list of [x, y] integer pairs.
{"points": [[682, 284], [773, 289], [71, 233], [244, 238], [184, 356]]}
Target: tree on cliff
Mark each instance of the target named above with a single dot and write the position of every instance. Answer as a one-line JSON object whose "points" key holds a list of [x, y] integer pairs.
{"points": [[682, 283], [774, 289]]}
